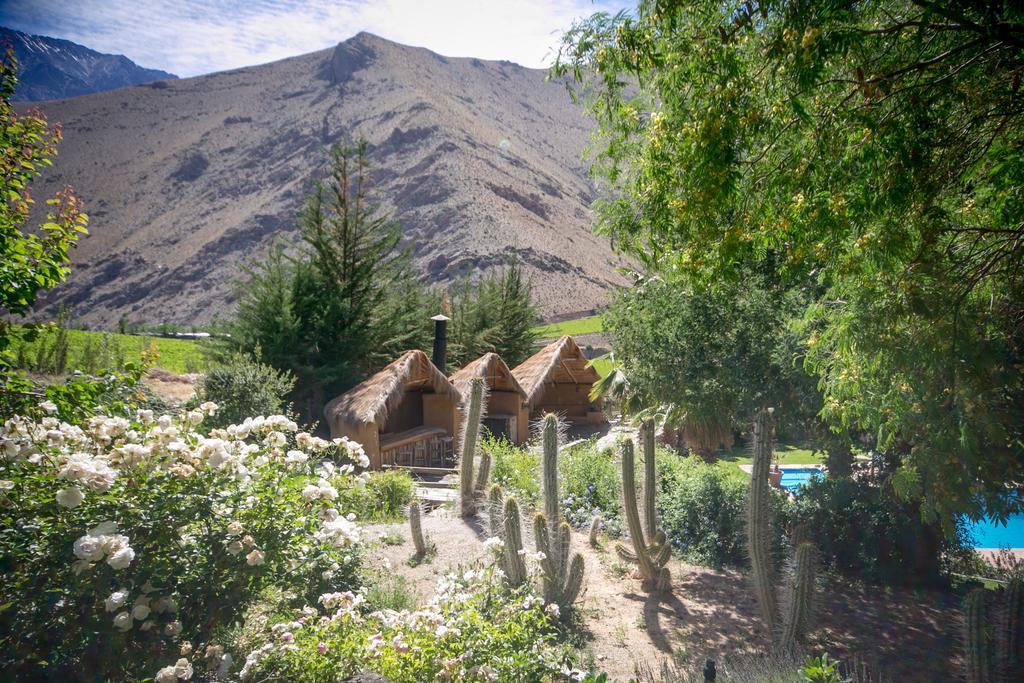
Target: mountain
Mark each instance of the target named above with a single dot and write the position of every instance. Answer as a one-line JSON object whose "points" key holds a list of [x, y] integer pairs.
{"points": [[51, 68], [186, 181]]}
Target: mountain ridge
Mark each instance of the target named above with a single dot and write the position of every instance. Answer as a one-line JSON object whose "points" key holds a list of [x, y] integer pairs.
{"points": [[187, 180], [55, 68]]}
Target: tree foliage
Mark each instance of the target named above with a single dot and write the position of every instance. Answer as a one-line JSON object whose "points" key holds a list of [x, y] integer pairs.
{"points": [[30, 260], [347, 301], [874, 147], [493, 314]]}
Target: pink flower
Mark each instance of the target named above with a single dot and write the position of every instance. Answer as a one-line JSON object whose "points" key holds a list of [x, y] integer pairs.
{"points": [[322, 648], [287, 636]]}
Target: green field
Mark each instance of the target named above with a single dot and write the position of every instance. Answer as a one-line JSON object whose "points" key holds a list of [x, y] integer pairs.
{"points": [[588, 325], [787, 454], [109, 349]]}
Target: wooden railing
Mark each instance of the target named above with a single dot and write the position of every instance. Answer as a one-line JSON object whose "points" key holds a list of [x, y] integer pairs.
{"points": [[421, 448]]}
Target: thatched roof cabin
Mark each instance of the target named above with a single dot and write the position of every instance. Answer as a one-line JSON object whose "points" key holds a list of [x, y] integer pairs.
{"points": [[404, 415], [557, 379], [505, 413]]}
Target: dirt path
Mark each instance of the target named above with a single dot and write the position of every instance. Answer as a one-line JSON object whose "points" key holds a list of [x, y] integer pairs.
{"points": [[710, 613]]}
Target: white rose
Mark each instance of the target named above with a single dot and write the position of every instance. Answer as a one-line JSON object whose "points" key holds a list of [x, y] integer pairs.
{"points": [[49, 406], [195, 417], [235, 528], [311, 492], [166, 675], [123, 621], [255, 557], [89, 548], [6, 484], [235, 547], [116, 600], [140, 612], [70, 497], [122, 558], [173, 628], [182, 669]]}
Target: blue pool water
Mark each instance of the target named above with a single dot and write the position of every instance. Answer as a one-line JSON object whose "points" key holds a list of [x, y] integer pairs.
{"points": [[987, 534], [795, 477]]}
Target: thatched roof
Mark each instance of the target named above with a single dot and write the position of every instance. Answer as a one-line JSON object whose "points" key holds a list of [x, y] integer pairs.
{"points": [[494, 372], [560, 362], [373, 399]]}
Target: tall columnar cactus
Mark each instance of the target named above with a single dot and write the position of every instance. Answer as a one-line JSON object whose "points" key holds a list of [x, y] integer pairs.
{"points": [[650, 557], [549, 463], [791, 627], [495, 513], [759, 524], [595, 530], [976, 649], [562, 578], [483, 474], [512, 561], [1012, 638], [650, 512], [467, 450], [416, 526], [797, 619]]}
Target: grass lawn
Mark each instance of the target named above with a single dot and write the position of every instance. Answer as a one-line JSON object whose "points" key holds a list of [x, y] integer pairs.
{"points": [[788, 455], [175, 355], [588, 325]]}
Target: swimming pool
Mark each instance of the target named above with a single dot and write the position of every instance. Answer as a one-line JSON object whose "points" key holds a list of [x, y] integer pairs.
{"points": [[795, 477], [988, 534]]}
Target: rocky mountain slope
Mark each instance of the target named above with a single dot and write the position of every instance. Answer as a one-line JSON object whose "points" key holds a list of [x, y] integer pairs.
{"points": [[51, 68], [187, 180]]}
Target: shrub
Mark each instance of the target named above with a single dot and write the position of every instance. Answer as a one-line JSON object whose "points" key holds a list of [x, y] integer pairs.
{"points": [[702, 510], [515, 469], [383, 496], [590, 486], [472, 630], [124, 536], [861, 528], [244, 386]]}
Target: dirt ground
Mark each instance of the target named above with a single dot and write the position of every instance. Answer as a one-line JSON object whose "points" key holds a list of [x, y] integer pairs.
{"points": [[175, 389], [899, 635]]}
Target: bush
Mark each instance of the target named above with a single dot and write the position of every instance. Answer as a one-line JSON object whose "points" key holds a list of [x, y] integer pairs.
{"points": [[472, 630], [124, 537], [243, 387], [515, 469], [862, 529], [702, 510], [590, 486], [385, 495]]}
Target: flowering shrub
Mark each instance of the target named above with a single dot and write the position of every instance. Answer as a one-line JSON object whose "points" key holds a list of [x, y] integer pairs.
{"points": [[590, 485], [122, 539], [472, 630]]}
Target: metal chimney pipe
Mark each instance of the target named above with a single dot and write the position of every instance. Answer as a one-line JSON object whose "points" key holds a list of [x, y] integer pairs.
{"points": [[441, 342]]}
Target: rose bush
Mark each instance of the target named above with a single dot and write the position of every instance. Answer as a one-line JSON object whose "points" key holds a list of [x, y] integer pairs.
{"points": [[474, 629], [125, 539]]}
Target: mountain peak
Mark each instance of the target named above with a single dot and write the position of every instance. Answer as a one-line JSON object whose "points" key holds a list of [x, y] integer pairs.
{"points": [[53, 68]]}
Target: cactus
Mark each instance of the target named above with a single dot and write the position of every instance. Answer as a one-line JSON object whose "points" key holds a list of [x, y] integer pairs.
{"points": [[549, 462], [595, 530], [650, 512], [759, 523], [467, 450], [650, 558], [483, 474], [793, 626], [417, 528], [512, 561], [562, 578], [1011, 640], [975, 638], [495, 513], [797, 619]]}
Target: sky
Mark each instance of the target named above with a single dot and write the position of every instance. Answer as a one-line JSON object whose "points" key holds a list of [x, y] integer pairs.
{"points": [[192, 37]]}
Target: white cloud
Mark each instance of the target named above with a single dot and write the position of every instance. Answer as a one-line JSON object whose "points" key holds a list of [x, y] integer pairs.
{"points": [[191, 37]]}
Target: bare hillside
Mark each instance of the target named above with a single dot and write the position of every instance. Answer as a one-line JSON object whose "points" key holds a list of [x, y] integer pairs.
{"points": [[187, 179]]}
